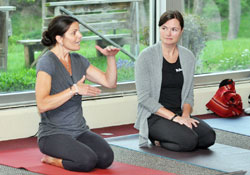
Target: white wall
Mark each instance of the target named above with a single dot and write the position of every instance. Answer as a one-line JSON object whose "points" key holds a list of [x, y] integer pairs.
{"points": [[23, 122]]}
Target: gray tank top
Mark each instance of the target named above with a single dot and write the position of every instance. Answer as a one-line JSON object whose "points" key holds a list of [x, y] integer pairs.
{"points": [[68, 118]]}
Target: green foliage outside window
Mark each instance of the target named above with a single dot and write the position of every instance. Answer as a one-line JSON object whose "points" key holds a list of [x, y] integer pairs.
{"points": [[213, 55]]}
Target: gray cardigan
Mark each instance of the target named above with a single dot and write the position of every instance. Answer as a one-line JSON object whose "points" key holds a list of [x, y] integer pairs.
{"points": [[148, 77]]}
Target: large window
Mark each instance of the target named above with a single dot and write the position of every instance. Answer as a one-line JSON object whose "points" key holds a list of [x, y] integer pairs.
{"points": [[217, 33], [124, 22]]}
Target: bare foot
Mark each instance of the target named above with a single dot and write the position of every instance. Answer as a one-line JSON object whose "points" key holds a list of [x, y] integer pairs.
{"points": [[157, 143], [52, 161], [46, 159]]}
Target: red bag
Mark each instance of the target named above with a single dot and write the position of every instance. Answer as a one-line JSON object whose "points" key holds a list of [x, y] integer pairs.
{"points": [[226, 102]]}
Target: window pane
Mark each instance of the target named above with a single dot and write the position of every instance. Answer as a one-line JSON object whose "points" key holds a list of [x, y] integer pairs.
{"points": [[117, 21], [217, 34], [23, 23]]}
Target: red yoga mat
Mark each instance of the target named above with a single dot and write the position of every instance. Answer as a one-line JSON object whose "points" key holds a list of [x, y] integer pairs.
{"points": [[28, 157]]}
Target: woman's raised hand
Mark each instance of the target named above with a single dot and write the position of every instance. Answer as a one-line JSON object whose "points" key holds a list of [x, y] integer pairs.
{"points": [[108, 51], [85, 89]]}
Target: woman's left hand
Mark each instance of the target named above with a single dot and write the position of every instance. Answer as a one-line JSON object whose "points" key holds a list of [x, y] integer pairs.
{"points": [[188, 121], [191, 121], [108, 51]]}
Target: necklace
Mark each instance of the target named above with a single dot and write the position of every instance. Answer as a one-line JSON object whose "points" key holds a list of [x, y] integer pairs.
{"points": [[66, 64]]}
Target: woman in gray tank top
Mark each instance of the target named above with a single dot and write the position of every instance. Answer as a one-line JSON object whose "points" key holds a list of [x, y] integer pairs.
{"points": [[63, 136]]}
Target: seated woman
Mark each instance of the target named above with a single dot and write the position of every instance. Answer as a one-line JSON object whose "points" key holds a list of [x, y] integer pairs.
{"points": [[164, 81], [63, 135]]}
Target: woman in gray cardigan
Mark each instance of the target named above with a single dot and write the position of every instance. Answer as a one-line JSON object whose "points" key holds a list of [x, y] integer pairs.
{"points": [[164, 81]]}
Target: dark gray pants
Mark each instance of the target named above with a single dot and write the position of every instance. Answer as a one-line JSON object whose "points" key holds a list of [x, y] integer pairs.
{"points": [[176, 137], [84, 153]]}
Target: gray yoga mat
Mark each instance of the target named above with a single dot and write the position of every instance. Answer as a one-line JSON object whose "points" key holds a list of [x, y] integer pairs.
{"points": [[238, 125], [218, 157]]}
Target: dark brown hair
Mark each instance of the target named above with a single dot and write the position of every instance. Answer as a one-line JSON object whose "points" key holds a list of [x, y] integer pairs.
{"points": [[170, 14], [58, 26]]}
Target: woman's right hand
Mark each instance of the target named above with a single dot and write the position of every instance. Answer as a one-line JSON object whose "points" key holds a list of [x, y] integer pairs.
{"points": [[85, 89], [109, 51]]}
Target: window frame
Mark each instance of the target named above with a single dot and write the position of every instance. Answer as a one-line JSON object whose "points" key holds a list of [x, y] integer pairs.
{"points": [[27, 98]]}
